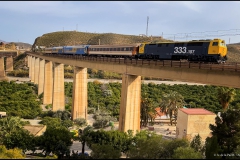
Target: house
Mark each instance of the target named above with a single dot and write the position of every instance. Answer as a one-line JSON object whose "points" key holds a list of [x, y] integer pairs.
{"points": [[193, 121]]}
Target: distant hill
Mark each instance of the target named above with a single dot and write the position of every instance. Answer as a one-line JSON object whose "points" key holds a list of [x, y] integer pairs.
{"points": [[22, 45], [74, 38], [3, 41]]}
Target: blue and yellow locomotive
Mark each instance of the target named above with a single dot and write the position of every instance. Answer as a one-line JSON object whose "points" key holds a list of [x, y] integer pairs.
{"points": [[197, 50]]}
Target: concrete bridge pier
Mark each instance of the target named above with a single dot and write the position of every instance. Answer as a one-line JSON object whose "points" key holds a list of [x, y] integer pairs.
{"points": [[129, 118], [29, 67], [41, 76], [2, 70], [58, 87], [32, 69], [79, 98], [9, 64], [36, 71], [28, 61], [48, 83]]}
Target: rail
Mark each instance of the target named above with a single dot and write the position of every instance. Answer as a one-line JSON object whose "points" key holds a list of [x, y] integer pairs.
{"points": [[235, 67]]}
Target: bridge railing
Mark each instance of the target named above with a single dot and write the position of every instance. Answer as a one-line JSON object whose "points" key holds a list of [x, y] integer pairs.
{"points": [[158, 63]]}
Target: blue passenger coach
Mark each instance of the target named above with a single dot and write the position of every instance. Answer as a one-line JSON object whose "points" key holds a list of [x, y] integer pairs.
{"points": [[78, 50]]}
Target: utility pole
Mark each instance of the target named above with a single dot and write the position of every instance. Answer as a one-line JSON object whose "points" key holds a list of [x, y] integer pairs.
{"points": [[147, 26]]}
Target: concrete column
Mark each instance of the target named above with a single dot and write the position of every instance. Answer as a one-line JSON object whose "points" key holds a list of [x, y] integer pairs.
{"points": [[36, 72], [41, 76], [28, 61], [32, 69], [129, 118], [9, 64], [79, 98], [48, 83], [58, 87], [2, 70], [29, 66]]}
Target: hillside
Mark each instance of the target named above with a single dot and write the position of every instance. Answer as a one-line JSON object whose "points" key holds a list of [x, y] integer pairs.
{"points": [[73, 38], [233, 52]]}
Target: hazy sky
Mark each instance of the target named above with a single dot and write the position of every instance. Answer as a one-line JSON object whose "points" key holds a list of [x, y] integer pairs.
{"points": [[24, 21]]}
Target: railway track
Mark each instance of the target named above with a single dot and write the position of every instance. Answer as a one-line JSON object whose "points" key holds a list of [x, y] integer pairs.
{"points": [[235, 67]]}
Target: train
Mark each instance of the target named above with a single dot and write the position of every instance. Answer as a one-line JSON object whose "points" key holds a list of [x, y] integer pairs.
{"points": [[208, 50]]}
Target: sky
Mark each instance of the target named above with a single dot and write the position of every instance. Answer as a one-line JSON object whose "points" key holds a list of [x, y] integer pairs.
{"points": [[24, 21]]}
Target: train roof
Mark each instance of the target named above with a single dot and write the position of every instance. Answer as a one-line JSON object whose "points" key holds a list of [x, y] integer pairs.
{"points": [[117, 45], [201, 40], [57, 47], [76, 46]]}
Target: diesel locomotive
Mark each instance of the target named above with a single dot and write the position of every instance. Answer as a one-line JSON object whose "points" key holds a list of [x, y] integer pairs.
{"points": [[209, 50]]}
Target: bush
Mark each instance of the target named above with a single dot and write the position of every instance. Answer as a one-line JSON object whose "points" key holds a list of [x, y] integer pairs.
{"points": [[80, 122]]}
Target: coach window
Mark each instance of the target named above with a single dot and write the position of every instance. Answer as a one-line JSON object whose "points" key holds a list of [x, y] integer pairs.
{"points": [[215, 44], [159, 45]]}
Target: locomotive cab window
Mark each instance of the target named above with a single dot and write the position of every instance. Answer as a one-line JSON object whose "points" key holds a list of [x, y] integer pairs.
{"points": [[215, 44], [222, 43]]}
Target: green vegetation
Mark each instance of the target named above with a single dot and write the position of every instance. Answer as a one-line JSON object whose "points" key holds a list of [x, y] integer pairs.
{"points": [[194, 96], [19, 99], [104, 101], [10, 153]]}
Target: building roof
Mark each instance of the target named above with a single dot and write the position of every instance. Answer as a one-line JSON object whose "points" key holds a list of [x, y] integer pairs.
{"points": [[196, 111], [158, 112], [35, 129]]}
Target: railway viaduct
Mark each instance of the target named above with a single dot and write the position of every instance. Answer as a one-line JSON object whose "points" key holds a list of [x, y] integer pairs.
{"points": [[48, 73], [8, 63]]}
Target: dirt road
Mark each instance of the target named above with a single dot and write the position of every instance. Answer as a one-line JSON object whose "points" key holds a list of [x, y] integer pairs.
{"points": [[20, 79]]}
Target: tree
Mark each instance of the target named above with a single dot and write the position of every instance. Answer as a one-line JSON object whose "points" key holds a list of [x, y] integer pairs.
{"points": [[20, 138], [56, 140], [226, 131], [186, 153], [119, 140], [172, 145], [105, 152], [170, 104], [225, 96], [9, 125], [196, 143], [84, 136], [147, 111], [146, 146], [212, 148]]}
